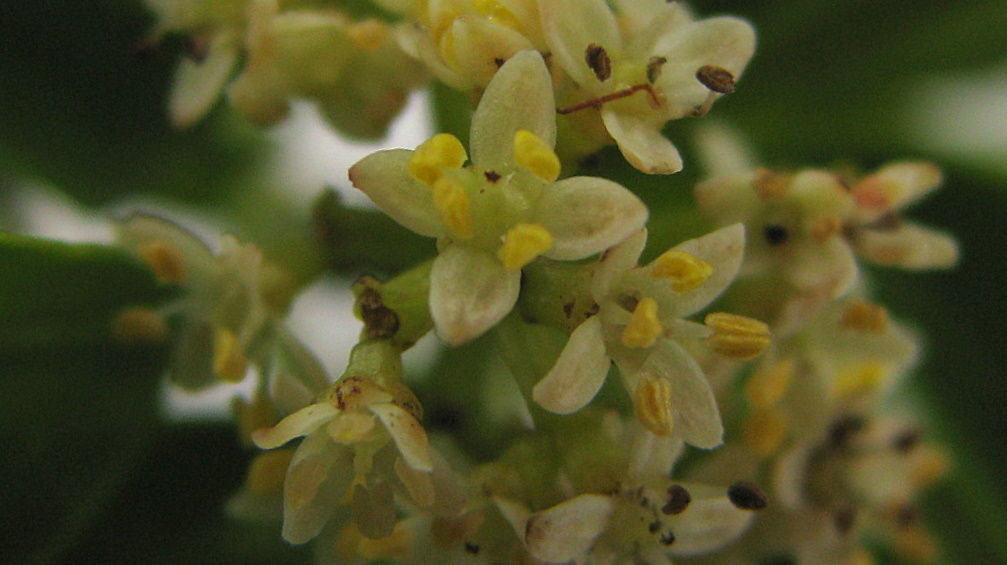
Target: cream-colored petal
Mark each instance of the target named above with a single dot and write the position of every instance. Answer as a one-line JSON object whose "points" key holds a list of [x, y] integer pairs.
{"points": [[470, 291], [300, 423], [579, 372], [641, 143], [587, 215], [615, 262], [895, 186], [385, 178], [479, 45], [374, 509], [909, 246], [317, 480], [710, 522], [406, 432], [724, 250], [415, 40], [565, 532], [696, 416], [198, 86], [830, 267], [518, 98], [570, 26], [297, 377], [419, 484]]}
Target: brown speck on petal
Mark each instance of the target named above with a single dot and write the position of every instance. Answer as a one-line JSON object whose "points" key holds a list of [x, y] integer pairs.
{"points": [[667, 538], [654, 68], [679, 500], [747, 496], [717, 79], [492, 176], [597, 58]]}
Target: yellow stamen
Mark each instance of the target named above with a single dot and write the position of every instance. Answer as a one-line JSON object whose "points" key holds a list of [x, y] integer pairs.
{"points": [[686, 272], [765, 431], [652, 405], [166, 261], [768, 385], [522, 244], [737, 337], [442, 151], [862, 380], [643, 328], [368, 35], [136, 325], [865, 317], [535, 155], [496, 12], [452, 200], [267, 471], [229, 361]]}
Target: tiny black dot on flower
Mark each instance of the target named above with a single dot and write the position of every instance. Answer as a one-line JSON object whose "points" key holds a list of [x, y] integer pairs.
{"points": [[746, 496]]}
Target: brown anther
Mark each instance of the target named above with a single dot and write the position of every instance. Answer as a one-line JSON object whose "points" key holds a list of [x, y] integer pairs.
{"points": [[499, 62], [655, 99], [745, 495], [654, 66], [679, 500], [717, 79], [471, 548], [492, 176], [843, 429], [775, 234], [667, 538], [907, 440], [597, 58], [655, 526], [379, 320]]}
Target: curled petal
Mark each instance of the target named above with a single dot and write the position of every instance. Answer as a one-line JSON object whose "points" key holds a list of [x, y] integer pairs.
{"points": [[406, 432], [908, 246], [710, 522], [470, 291], [587, 215], [566, 531], [641, 143], [385, 178], [518, 98], [579, 372], [300, 423]]}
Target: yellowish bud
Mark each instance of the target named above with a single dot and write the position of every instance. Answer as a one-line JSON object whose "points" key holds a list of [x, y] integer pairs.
{"points": [[652, 404], [643, 328], [452, 201], [166, 261], [737, 337], [496, 12], [368, 35], [268, 470], [522, 244], [137, 324], [686, 272], [768, 385], [861, 380], [535, 155], [865, 317], [442, 151], [765, 431], [229, 361]]}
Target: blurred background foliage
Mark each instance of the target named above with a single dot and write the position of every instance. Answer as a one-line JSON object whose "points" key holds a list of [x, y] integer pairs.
{"points": [[94, 474]]}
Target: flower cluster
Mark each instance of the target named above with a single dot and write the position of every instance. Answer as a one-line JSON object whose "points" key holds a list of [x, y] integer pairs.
{"points": [[757, 343]]}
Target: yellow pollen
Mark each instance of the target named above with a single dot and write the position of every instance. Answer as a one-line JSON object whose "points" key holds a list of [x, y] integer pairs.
{"points": [[765, 431], [267, 471], [522, 244], [136, 325], [442, 151], [229, 361], [495, 12], [166, 261], [865, 317], [643, 328], [737, 337], [368, 35], [452, 201], [535, 155], [652, 404], [863, 380], [686, 272], [768, 385]]}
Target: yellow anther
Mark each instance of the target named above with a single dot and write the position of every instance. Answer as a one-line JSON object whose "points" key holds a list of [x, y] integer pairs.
{"points": [[166, 261], [368, 35], [268, 470], [686, 272], [535, 155], [139, 325], [442, 151], [652, 405], [865, 317], [522, 244], [737, 337], [229, 361], [452, 200], [860, 381], [495, 12], [765, 431], [643, 328], [768, 385]]}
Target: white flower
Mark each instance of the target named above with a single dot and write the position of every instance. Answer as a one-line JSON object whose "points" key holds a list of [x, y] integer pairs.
{"points": [[494, 217]]}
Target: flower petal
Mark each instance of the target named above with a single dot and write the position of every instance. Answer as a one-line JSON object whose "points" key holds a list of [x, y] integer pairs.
{"points": [[470, 291], [480, 42], [908, 246], [317, 480], [300, 423], [198, 86], [570, 26], [587, 215], [297, 376], [406, 432], [518, 98], [724, 250], [385, 178], [566, 531], [615, 262], [697, 418], [829, 267], [710, 522], [579, 372], [642, 143]]}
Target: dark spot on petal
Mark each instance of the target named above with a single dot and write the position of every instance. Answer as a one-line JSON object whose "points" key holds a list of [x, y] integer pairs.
{"points": [[775, 234], [492, 176], [747, 496], [568, 309], [654, 66], [471, 548], [667, 538], [843, 429], [654, 526], [679, 499], [499, 62]]}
